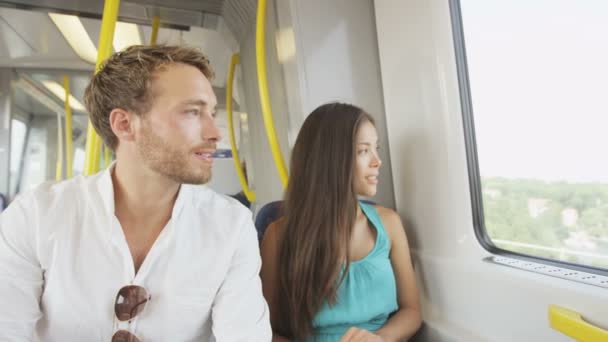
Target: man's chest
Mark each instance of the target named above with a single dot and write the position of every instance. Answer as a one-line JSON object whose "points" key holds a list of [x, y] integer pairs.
{"points": [[83, 279]]}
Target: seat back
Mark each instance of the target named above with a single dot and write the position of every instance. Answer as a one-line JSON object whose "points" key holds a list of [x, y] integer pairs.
{"points": [[242, 198], [272, 212], [3, 202], [267, 214]]}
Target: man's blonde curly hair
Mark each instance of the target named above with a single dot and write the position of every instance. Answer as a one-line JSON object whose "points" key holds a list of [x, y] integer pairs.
{"points": [[123, 81]]}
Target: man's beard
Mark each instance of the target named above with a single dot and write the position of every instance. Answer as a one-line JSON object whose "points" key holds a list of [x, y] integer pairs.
{"points": [[170, 162]]}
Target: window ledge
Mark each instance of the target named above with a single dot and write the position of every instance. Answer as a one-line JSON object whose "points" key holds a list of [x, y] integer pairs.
{"points": [[559, 272]]}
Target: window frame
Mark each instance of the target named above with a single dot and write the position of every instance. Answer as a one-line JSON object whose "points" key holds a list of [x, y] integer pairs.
{"points": [[472, 157]]}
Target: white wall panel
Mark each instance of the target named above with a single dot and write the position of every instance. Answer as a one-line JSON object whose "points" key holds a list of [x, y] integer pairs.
{"points": [[464, 298], [264, 175], [336, 57]]}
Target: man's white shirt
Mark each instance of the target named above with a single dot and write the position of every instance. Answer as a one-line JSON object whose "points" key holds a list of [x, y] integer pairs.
{"points": [[64, 256]]}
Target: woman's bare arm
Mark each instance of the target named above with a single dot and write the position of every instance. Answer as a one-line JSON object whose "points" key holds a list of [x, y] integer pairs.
{"points": [[405, 322]]}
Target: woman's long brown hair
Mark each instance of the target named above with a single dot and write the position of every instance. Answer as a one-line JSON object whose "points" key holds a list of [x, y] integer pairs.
{"points": [[320, 208]]}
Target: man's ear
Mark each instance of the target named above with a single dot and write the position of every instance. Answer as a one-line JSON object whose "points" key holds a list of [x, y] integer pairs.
{"points": [[122, 123]]}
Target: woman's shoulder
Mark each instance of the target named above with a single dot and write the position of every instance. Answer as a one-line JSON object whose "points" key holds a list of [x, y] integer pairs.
{"points": [[390, 220], [274, 233]]}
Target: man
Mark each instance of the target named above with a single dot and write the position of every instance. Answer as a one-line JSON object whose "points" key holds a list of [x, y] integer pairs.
{"points": [[138, 252]]}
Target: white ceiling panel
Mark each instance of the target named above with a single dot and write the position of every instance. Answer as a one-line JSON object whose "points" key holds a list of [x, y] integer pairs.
{"points": [[12, 44], [215, 47], [29, 40], [208, 6], [132, 10], [183, 13], [165, 36], [46, 62], [37, 31], [93, 27], [240, 16]]}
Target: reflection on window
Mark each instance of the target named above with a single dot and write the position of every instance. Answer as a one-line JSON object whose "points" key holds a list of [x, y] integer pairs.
{"points": [[18, 133], [36, 164], [537, 73], [78, 162]]}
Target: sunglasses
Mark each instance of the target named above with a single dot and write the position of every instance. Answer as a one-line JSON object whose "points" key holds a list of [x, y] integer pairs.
{"points": [[130, 301]]}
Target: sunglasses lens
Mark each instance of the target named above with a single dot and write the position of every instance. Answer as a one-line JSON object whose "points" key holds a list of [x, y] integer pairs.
{"points": [[130, 301], [124, 336]]}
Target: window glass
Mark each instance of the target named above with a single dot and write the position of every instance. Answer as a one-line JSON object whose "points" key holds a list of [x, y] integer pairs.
{"points": [[537, 76]]}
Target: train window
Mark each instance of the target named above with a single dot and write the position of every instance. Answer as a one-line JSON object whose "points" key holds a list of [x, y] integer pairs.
{"points": [[532, 79], [18, 134]]}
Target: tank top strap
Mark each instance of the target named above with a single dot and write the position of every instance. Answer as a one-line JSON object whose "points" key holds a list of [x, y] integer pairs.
{"points": [[372, 215]]}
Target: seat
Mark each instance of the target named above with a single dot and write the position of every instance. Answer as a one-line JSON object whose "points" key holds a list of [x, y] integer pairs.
{"points": [[272, 212], [242, 198], [269, 213], [3, 202]]}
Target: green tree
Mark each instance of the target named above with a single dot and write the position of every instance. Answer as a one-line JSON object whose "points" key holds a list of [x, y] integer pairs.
{"points": [[595, 221]]}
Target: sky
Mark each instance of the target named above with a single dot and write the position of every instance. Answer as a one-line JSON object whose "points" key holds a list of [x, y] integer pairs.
{"points": [[539, 82]]}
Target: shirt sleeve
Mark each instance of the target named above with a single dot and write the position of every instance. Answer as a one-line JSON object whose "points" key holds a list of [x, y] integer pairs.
{"points": [[21, 278], [240, 312]]}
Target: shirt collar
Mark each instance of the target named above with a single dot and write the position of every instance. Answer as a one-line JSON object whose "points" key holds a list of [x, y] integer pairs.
{"points": [[105, 187]]}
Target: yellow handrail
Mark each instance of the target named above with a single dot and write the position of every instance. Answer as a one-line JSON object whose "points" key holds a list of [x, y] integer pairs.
{"points": [[69, 153], [572, 324], [260, 53], [234, 60], [108, 23], [155, 26]]}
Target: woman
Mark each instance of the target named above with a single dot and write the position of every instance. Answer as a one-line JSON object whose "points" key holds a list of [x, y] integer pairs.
{"points": [[334, 268]]}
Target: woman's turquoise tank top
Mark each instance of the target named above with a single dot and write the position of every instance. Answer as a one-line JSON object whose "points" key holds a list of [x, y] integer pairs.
{"points": [[368, 294]]}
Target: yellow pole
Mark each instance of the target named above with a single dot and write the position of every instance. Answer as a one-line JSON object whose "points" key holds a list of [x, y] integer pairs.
{"points": [[59, 166], [260, 53], [96, 153], [89, 148], [107, 156], [234, 60], [155, 26], [69, 153], [108, 23]]}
